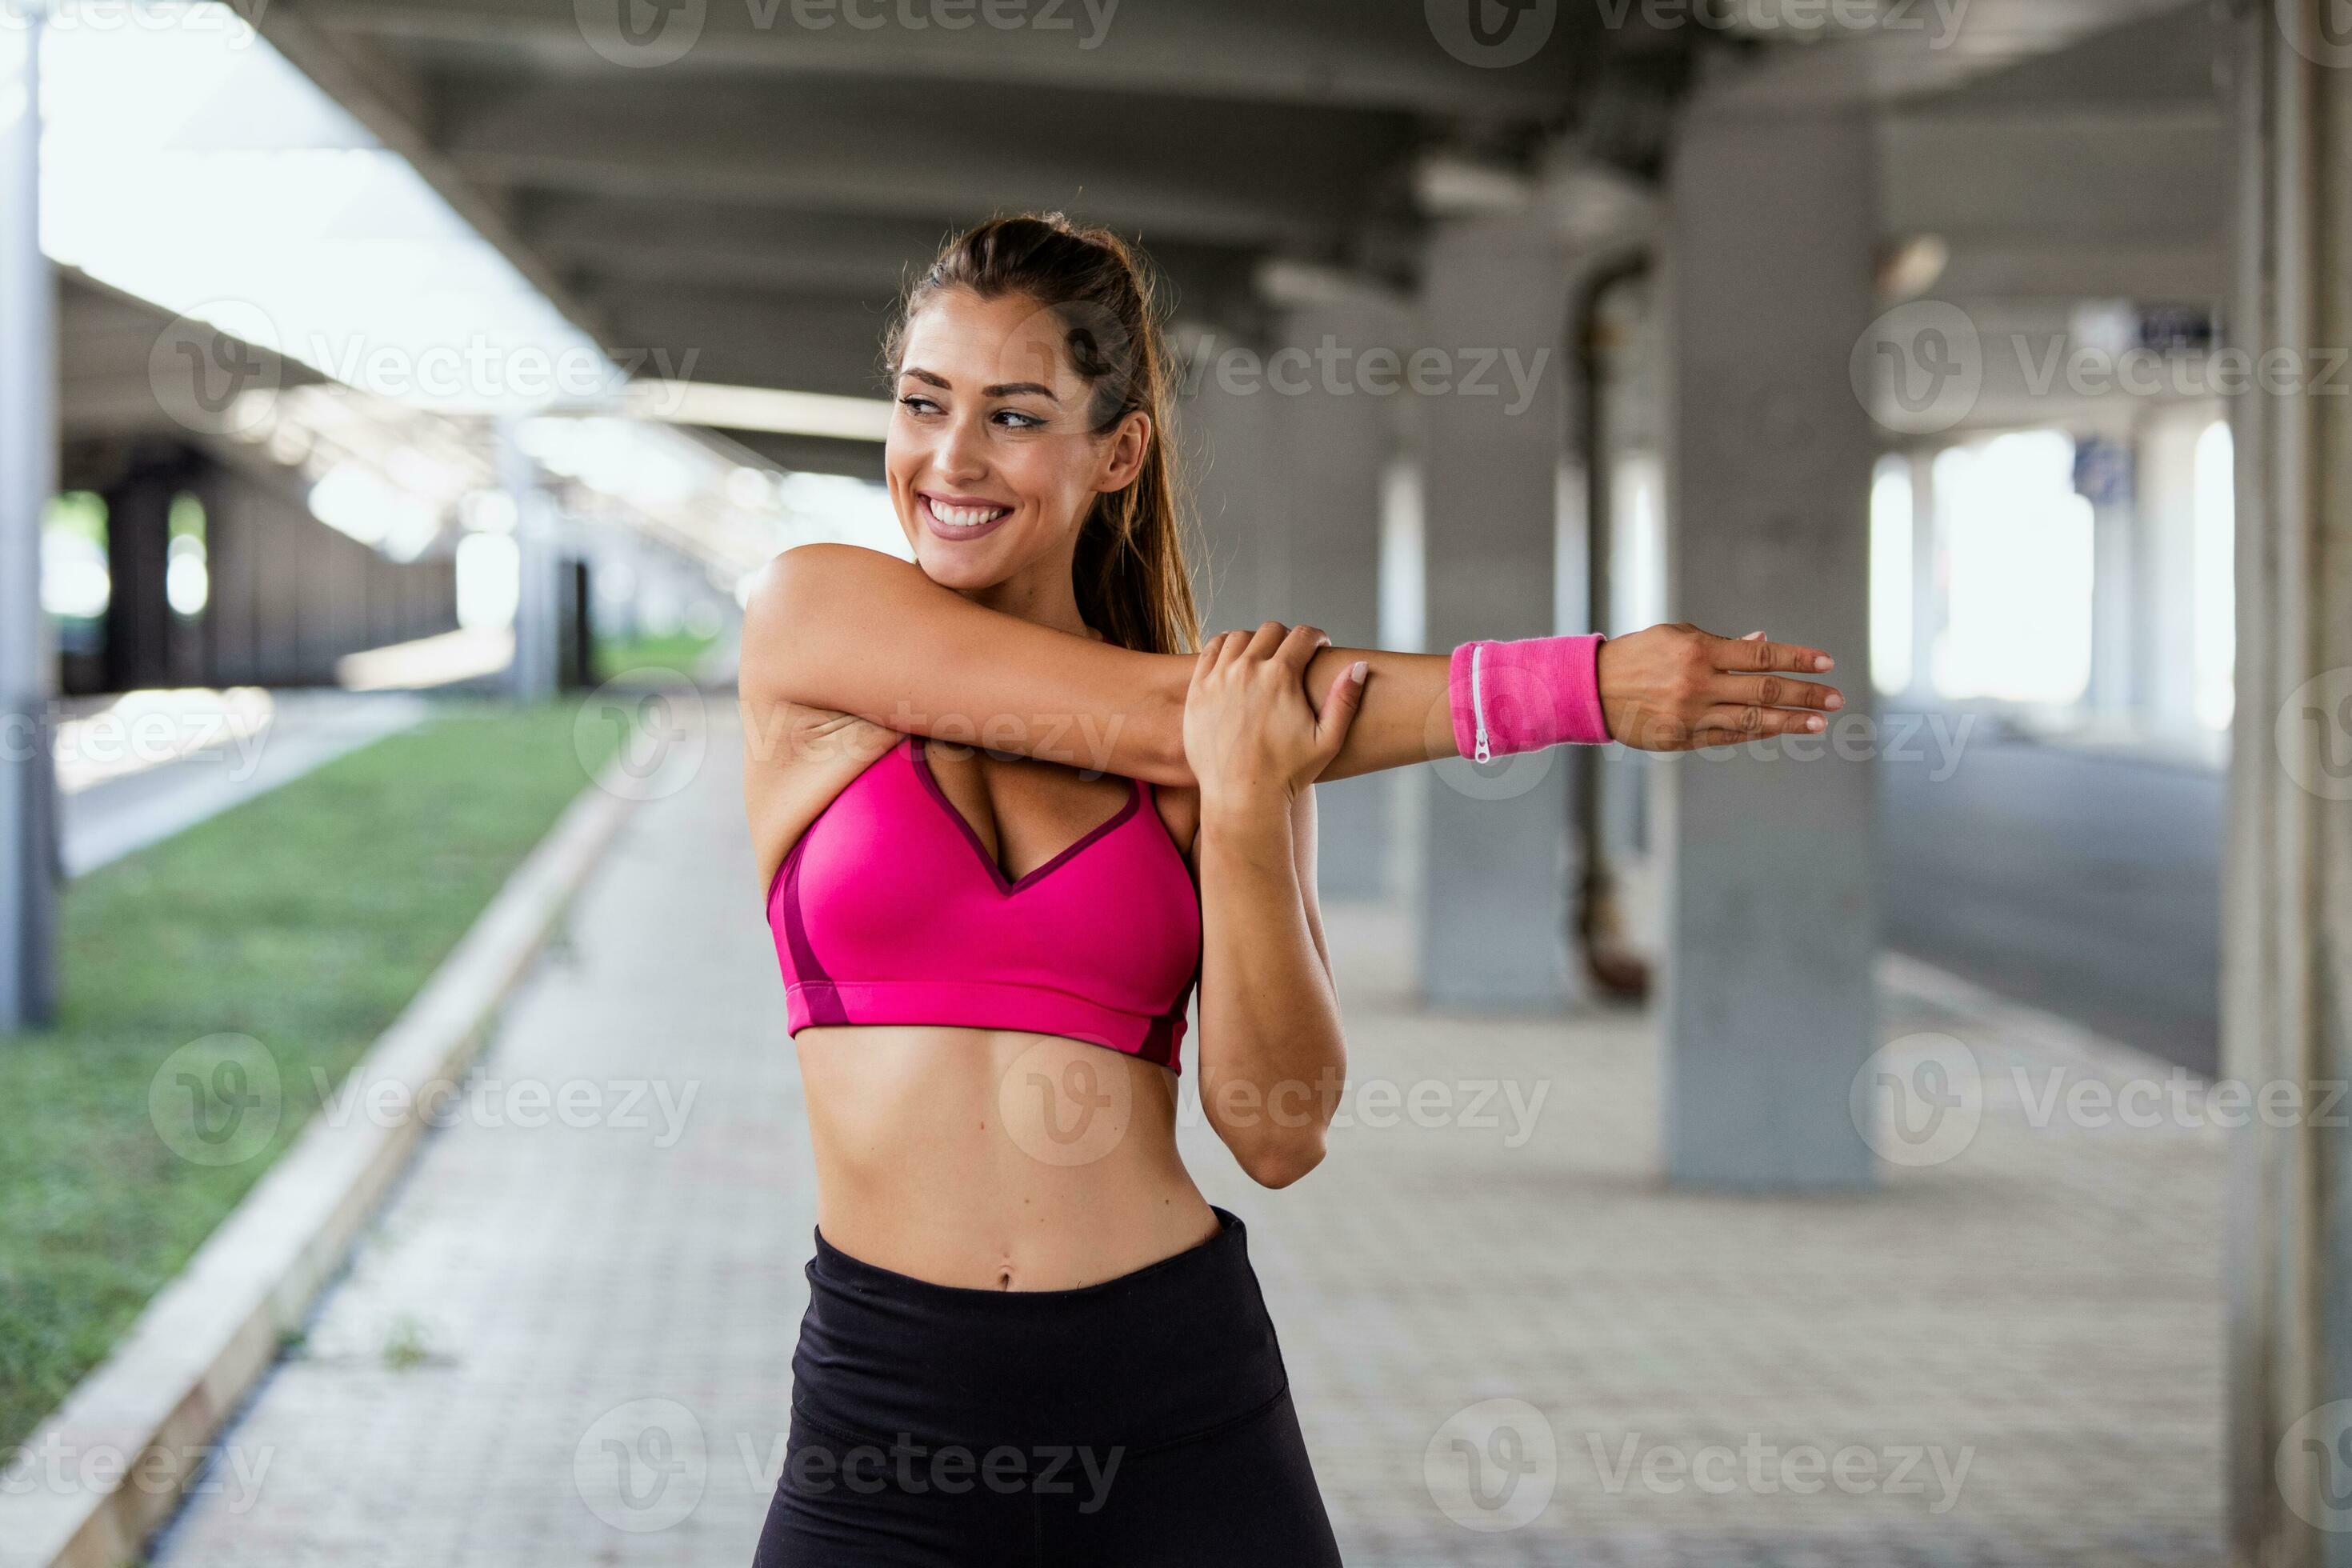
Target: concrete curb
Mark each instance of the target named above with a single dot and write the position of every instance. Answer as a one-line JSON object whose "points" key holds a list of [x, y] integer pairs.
{"points": [[97, 1478]]}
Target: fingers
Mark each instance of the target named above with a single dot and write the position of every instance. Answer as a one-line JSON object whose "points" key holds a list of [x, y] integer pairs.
{"points": [[1753, 653], [1340, 706], [1268, 638], [1773, 691], [1730, 723], [1297, 649]]}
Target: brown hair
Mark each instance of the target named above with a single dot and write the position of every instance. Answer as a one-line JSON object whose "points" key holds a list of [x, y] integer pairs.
{"points": [[1130, 575]]}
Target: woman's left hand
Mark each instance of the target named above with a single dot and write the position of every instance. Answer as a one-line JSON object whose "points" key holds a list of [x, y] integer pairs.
{"points": [[1249, 734]]}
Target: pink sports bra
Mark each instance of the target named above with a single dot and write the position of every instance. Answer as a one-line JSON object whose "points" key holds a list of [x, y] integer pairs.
{"points": [[890, 910]]}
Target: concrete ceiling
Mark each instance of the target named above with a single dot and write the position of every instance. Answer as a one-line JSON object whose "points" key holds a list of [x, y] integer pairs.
{"points": [[736, 188]]}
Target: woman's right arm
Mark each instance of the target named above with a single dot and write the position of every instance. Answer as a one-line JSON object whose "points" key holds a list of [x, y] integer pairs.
{"points": [[853, 631]]}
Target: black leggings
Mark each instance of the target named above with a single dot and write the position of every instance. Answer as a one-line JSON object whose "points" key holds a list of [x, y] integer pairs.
{"points": [[1146, 1420]]}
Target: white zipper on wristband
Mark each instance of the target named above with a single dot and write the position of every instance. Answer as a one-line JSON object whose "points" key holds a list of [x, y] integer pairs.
{"points": [[1478, 703]]}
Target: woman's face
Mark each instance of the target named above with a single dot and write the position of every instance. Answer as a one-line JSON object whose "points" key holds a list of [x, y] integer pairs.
{"points": [[993, 466]]}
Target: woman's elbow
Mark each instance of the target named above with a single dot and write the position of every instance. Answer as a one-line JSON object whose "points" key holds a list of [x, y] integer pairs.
{"points": [[1277, 1162]]}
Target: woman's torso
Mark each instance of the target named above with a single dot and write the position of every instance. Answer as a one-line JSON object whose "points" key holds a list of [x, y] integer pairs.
{"points": [[990, 1158]]}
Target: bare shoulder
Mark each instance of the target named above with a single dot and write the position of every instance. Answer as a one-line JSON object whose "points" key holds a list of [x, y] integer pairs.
{"points": [[807, 577]]}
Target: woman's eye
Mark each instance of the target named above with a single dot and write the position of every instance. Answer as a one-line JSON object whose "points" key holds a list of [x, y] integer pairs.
{"points": [[915, 403], [1013, 420]]}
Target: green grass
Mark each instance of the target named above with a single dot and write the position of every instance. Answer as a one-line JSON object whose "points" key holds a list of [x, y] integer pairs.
{"points": [[304, 920], [681, 651]]}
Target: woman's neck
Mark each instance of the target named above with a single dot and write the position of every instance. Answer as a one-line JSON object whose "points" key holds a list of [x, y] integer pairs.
{"points": [[1047, 596]]}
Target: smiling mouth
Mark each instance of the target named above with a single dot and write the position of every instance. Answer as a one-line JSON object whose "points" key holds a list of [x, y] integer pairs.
{"points": [[961, 521]]}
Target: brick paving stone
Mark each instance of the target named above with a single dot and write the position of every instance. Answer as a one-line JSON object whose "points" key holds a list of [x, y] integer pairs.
{"points": [[557, 1300]]}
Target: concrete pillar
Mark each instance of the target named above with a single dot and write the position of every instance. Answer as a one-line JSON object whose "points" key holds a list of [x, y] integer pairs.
{"points": [[2287, 912], [1334, 402], [538, 631], [1771, 919], [1928, 605], [138, 617], [1226, 436], [1496, 849], [28, 457]]}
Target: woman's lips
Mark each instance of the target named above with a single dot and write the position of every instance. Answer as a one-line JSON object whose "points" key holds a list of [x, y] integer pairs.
{"points": [[960, 520]]}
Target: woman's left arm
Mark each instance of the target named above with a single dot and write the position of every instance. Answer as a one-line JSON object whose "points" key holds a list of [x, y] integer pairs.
{"points": [[1273, 1061]]}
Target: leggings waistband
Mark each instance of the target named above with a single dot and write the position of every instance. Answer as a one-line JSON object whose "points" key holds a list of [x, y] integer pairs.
{"points": [[1171, 1350]]}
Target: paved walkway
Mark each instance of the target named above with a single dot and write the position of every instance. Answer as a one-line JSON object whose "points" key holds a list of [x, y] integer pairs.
{"points": [[143, 767], [569, 1343]]}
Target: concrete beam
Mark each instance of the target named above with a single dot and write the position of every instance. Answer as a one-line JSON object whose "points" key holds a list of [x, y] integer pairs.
{"points": [[1332, 53], [872, 149]]}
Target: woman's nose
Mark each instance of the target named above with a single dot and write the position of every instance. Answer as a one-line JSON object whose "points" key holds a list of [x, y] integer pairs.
{"points": [[964, 453]]}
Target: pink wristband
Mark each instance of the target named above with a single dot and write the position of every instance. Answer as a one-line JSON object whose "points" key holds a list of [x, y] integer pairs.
{"points": [[1514, 697]]}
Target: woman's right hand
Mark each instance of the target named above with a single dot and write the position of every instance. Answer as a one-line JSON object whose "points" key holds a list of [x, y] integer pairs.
{"points": [[1677, 689], [1250, 734]]}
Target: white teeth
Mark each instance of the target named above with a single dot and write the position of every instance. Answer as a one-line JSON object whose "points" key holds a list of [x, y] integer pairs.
{"points": [[966, 516]]}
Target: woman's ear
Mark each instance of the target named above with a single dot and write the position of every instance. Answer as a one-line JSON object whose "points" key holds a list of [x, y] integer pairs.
{"points": [[1124, 454]]}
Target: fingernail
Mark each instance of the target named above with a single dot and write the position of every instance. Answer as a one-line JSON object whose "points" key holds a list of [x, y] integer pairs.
{"points": [[1753, 636], [1814, 724], [1358, 670], [1825, 662], [1836, 702]]}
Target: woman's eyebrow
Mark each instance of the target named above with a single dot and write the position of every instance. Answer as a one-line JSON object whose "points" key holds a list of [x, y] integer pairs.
{"points": [[939, 380], [1019, 388]]}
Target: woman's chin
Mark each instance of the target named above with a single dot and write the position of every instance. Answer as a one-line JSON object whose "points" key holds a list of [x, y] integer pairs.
{"points": [[959, 566]]}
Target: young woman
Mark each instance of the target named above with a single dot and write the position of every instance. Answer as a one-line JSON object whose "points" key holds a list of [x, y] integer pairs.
{"points": [[1010, 818]]}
